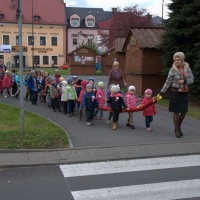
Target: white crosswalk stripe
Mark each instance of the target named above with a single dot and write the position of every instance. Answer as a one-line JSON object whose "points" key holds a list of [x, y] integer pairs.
{"points": [[165, 189]]}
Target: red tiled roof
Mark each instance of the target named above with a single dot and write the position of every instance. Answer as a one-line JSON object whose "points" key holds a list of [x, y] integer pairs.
{"points": [[105, 24], [50, 11]]}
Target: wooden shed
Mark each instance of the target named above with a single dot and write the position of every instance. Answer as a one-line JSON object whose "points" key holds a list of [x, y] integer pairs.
{"points": [[143, 59], [112, 54], [82, 61]]}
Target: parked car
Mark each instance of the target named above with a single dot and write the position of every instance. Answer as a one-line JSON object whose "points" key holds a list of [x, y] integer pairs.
{"points": [[64, 66], [98, 66]]}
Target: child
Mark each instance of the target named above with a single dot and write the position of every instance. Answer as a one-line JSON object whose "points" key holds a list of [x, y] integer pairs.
{"points": [[25, 83], [108, 104], [43, 85], [91, 81], [17, 79], [78, 89], [83, 86], [101, 99], [33, 84], [89, 103], [149, 111], [47, 91], [57, 76], [70, 96], [131, 101], [64, 103], [7, 84], [116, 100], [54, 94], [1, 80]]}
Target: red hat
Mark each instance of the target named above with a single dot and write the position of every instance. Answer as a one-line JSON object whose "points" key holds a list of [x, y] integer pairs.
{"points": [[84, 83]]}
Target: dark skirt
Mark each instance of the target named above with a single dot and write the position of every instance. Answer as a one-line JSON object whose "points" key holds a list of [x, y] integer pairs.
{"points": [[178, 102]]}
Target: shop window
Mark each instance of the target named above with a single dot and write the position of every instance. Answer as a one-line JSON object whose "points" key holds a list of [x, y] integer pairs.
{"points": [[45, 60], [55, 59], [36, 60], [54, 41], [6, 39], [42, 40]]}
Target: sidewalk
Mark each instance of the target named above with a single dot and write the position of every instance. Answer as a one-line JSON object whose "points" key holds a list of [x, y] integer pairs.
{"points": [[19, 158]]}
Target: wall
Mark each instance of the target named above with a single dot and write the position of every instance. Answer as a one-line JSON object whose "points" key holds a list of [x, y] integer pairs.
{"points": [[49, 31]]}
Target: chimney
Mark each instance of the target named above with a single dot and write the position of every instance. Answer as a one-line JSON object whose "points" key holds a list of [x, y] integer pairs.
{"points": [[114, 10]]}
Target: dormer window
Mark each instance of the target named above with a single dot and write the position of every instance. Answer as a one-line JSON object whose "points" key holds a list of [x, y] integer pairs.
{"points": [[90, 22], [75, 22], [36, 17], [1, 15]]}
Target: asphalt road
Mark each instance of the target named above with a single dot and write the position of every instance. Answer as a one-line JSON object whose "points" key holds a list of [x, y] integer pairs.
{"points": [[101, 134], [141, 179]]}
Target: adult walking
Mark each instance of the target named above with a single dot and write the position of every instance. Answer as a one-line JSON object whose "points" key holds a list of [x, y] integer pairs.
{"points": [[179, 77], [116, 76]]}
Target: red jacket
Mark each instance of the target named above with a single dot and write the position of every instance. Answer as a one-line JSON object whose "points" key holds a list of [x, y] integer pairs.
{"points": [[81, 95], [7, 82], [149, 111]]}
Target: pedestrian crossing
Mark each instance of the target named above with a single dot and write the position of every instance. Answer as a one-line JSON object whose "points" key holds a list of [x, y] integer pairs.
{"points": [[165, 178]]}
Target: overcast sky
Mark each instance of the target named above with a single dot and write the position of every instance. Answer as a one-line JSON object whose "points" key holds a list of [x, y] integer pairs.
{"points": [[153, 6]]}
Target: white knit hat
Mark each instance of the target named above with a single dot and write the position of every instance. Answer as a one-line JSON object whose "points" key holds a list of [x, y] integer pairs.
{"points": [[181, 55], [115, 88], [64, 83], [131, 88]]}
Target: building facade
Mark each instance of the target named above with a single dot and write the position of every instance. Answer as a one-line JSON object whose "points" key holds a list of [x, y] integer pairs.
{"points": [[43, 35], [82, 26]]}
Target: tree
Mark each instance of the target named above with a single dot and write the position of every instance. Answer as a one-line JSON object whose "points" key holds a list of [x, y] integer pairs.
{"points": [[123, 21], [92, 46], [182, 33]]}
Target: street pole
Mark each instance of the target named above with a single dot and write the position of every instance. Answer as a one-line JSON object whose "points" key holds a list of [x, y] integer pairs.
{"points": [[21, 67], [32, 39], [162, 13]]}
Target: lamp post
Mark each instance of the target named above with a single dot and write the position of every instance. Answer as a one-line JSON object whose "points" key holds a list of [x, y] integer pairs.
{"points": [[19, 13], [32, 39], [162, 13]]}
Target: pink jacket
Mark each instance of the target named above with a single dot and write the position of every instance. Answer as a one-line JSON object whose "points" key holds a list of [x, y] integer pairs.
{"points": [[7, 82], [101, 96], [149, 111], [131, 100]]}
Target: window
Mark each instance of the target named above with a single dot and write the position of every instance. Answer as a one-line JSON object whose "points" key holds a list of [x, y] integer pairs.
{"points": [[74, 39], [75, 22], [30, 40], [42, 40], [6, 39], [36, 60], [54, 41], [55, 59], [90, 22], [90, 39], [45, 60], [17, 39], [1, 57]]}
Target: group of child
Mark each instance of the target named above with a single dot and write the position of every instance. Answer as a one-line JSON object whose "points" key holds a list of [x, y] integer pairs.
{"points": [[81, 94]]}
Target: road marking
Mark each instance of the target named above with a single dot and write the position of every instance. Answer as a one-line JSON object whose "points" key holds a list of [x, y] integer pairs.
{"points": [[86, 169], [153, 191]]}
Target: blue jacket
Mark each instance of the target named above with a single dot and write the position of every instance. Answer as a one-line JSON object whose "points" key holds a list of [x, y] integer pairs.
{"points": [[30, 84], [89, 101]]}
